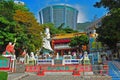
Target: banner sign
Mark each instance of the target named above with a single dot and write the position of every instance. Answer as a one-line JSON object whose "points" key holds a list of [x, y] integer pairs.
{"points": [[4, 63], [71, 61], [44, 61]]}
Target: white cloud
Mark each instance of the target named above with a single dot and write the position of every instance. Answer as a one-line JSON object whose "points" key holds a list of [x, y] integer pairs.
{"points": [[81, 14]]}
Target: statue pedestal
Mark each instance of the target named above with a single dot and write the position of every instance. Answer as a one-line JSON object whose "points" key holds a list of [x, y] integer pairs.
{"points": [[86, 60], [20, 68], [32, 62]]}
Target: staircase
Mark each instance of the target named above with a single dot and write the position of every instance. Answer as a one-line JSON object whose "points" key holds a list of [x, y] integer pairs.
{"points": [[114, 71]]}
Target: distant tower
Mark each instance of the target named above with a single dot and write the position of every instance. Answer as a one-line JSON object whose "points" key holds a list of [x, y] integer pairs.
{"points": [[59, 14]]}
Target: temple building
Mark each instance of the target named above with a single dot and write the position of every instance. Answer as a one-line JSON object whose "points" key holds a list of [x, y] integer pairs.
{"points": [[60, 43]]}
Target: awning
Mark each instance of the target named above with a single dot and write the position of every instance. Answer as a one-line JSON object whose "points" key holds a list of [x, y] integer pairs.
{"points": [[61, 41]]}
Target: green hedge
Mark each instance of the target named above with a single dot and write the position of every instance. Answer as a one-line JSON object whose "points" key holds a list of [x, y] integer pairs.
{"points": [[2, 57], [3, 75]]}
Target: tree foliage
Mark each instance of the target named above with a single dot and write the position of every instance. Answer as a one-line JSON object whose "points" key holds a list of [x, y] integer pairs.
{"points": [[109, 4], [109, 31], [69, 30], [16, 21], [32, 28], [78, 41]]}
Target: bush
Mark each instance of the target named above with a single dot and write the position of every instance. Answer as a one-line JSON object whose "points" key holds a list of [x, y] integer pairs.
{"points": [[3, 75], [2, 57]]}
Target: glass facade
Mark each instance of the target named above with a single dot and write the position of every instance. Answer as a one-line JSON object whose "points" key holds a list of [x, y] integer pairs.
{"points": [[70, 19], [46, 15], [59, 14]]}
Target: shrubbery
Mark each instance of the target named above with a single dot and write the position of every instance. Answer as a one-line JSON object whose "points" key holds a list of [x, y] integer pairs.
{"points": [[3, 75]]}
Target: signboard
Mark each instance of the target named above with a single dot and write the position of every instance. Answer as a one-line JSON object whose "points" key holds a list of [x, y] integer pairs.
{"points": [[71, 61], [4, 63], [58, 68], [44, 61], [57, 61]]}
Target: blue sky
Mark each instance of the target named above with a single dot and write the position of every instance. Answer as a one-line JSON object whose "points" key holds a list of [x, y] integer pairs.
{"points": [[85, 8]]}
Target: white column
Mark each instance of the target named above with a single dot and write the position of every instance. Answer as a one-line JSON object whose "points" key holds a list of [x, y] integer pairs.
{"points": [[63, 62], [13, 65], [52, 61]]}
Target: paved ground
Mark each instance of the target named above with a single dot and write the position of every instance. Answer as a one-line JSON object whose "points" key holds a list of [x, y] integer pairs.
{"points": [[66, 77], [33, 76], [16, 76]]}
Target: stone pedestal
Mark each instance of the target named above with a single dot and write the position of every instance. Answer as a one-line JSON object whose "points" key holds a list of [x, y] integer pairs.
{"points": [[20, 68], [86, 61]]}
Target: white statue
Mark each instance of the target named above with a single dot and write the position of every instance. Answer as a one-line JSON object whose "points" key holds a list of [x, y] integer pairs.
{"points": [[46, 40], [32, 57], [86, 56], [57, 56], [47, 32]]}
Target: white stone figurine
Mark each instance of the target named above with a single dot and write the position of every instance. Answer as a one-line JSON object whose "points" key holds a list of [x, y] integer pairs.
{"points": [[57, 56], [46, 40], [32, 57], [86, 56]]}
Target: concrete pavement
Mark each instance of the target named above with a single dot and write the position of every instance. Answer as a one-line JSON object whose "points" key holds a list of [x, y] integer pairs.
{"points": [[33, 76], [16, 76]]}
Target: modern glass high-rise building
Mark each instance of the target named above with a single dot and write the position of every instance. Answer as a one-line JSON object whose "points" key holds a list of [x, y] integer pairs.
{"points": [[59, 14]]}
